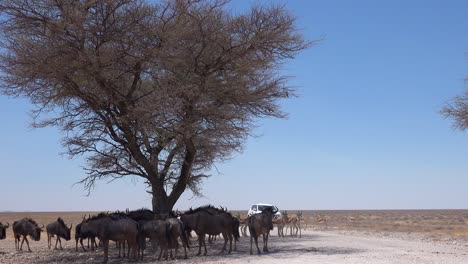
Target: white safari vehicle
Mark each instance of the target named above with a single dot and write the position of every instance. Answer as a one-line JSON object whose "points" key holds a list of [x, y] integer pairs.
{"points": [[257, 208]]}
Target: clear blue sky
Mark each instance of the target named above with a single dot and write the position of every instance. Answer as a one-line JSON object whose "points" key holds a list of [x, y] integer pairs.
{"points": [[365, 132]]}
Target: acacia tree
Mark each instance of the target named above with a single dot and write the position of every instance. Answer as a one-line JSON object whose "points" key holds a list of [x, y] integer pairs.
{"points": [[458, 109], [159, 91]]}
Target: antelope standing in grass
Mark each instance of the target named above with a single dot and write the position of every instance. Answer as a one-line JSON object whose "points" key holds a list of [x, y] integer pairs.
{"points": [[243, 225], [282, 223], [295, 223]]}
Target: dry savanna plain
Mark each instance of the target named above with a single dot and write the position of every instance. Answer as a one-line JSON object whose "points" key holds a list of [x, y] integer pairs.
{"points": [[380, 236]]}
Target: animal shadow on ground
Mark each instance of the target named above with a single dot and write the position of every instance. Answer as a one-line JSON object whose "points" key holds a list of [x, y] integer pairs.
{"points": [[282, 248], [286, 248]]}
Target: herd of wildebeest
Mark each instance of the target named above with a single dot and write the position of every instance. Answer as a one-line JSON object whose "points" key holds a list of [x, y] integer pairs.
{"points": [[133, 228]]}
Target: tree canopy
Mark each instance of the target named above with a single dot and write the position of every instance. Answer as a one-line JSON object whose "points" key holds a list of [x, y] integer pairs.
{"points": [[160, 91]]}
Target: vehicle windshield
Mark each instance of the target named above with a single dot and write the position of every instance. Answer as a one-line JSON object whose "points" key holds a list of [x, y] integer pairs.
{"points": [[262, 207]]}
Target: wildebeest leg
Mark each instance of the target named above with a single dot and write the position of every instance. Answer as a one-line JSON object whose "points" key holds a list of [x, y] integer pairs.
{"points": [[27, 243], [128, 250], [204, 244], [160, 251], [48, 240], [200, 241], [265, 242], [235, 244], [268, 237], [185, 244], [176, 248], [106, 250], [81, 242], [230, 243], [22, 241], [225, 242], [60, 241], [117, 244], [256, 244], [134, 246], [123, 245], [56, 241]]}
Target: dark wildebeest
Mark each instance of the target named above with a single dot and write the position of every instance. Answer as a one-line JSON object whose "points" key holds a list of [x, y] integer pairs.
{"points": [[261, 224], [119, 229], [176, 229], [26, 227], [212, 221], [85, 230], [59, 229], [141, 215], [3, 230], [157, 231], [235, 231]]}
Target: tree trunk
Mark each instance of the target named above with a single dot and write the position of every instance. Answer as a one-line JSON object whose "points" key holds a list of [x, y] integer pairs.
{"points": [[163, 203], [160, 200]]}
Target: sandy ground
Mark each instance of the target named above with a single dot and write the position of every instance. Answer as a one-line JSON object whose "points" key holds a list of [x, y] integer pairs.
{"points": [[314, 247]]}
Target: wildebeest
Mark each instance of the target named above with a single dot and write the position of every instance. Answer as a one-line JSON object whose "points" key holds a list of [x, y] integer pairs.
{"points": [[208, 220], [261, 224], [157, 231], [141, 215], [119, 229], [175, 228], [85, 230], [235, 231], [59, 229], [3, 230], [26, 227]]}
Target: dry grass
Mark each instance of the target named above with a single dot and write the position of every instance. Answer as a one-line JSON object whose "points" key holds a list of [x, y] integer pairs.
{"points": [[436, 224]]}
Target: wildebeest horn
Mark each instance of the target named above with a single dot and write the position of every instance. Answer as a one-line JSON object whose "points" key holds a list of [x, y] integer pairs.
{"points": [[71, 226], [42, 226], [8, 224]]}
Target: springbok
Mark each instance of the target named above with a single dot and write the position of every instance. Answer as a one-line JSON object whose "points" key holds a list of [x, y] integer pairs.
{"points": [[282, 223], [295, 223], [243, 225], [321, 219]]}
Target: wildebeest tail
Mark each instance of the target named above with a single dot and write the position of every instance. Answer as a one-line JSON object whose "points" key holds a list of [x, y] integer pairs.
{"points": [[141, 239], [184, 236], [235, 228], [168, 234], [251, 227]]}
